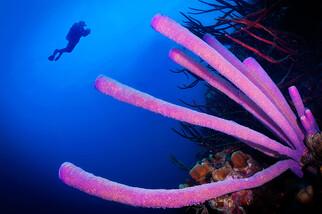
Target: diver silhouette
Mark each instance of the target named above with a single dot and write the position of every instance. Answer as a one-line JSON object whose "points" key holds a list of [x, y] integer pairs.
{"points": [[75, 33]]}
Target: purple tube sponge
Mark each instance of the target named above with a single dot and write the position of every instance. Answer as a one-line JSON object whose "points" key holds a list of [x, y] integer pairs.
{"points": [[314, 126], [226, 88], [166, 198], [247, 84], [254, 139], [182, 36], [297, 100], [307, 119]]}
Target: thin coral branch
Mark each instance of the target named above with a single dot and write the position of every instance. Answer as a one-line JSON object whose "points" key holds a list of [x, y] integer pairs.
{"points": [[289, 70], [257, 52], [212, 141], [191, 84], [257, 25], [240, 18], [271, 43], [190, 132], [200, 107], [183, 134], [179, 163], [200, 11], [191, 129], [181, 71]]}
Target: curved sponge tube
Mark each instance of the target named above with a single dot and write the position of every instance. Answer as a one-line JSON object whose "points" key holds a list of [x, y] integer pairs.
{"points": [[166, 198], [137, 98]]}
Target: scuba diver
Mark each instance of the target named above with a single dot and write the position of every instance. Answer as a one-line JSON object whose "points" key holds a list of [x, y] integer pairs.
{"points": [[75, 33]]}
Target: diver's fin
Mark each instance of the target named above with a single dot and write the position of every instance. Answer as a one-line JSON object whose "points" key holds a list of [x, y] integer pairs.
{"points": [[59, 55], [51, 58]]}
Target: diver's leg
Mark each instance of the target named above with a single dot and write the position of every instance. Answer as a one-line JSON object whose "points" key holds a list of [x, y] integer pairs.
{"points": [[69, 48], [61, 51]]}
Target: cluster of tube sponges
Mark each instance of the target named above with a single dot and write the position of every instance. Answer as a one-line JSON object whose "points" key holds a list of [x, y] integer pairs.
{"points": [[244, 82]]}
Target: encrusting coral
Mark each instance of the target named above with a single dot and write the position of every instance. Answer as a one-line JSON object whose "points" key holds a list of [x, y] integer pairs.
{"points": [[224, 165], [244, 82]]}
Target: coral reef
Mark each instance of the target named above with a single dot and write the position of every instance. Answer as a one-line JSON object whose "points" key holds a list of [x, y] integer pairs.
{"points": [[289, 52], [221, 166], [244, 82], [305, 195]]}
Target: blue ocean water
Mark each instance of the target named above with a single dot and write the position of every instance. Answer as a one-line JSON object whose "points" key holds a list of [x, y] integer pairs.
{"points": [[51, 112]]}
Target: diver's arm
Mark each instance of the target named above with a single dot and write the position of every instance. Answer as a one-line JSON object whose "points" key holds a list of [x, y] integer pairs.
{"points": [[86, 32]]}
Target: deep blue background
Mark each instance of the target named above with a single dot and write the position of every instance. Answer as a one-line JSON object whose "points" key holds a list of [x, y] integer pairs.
{"points": [[51, 113]]}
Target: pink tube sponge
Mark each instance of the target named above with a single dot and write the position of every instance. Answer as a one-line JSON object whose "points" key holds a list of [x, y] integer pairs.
{"points": [[255, 139], [225, 87], [297, 100], [166, 198], [184, 37], [258, 95]]}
